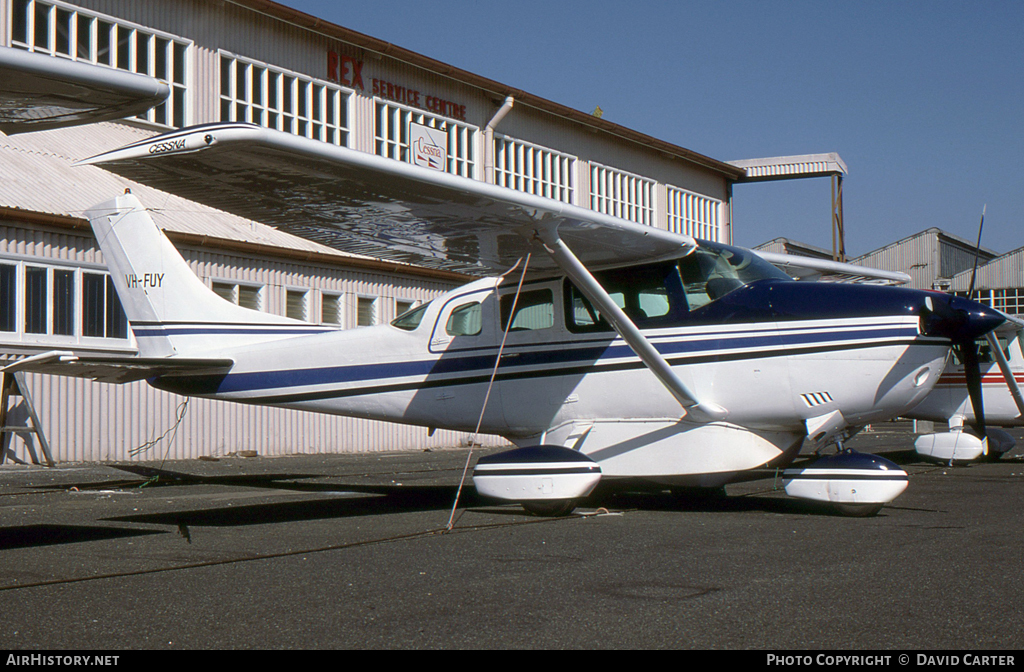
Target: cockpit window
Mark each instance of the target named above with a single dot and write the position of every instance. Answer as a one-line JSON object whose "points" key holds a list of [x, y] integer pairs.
{"points": [[649, 295], [661, 295], [465, 320], [712, 271], [410, 319]]}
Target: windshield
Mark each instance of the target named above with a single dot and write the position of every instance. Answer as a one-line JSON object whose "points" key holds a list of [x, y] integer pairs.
{"points": [[664, 294], [713, 270], [410, 319]]}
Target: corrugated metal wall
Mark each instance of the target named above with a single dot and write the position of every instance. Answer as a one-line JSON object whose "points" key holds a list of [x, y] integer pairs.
{"points": [[926, 256], [1002, 273], [85, 421]]}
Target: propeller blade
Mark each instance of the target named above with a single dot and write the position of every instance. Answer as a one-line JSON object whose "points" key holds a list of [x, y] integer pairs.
{"points": [[968, 353]]}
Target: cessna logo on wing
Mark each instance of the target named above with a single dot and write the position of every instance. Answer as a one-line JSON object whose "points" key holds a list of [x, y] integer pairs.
{"points": [[169, 146]]}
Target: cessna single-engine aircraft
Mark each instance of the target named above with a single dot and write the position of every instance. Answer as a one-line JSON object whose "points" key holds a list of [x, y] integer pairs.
{"points": [[995, 393], [604, 349]]}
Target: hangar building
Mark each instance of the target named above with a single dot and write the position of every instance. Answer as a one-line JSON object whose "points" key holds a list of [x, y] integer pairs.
{"points": [[999, 283], [931, 258], [263, 62]]}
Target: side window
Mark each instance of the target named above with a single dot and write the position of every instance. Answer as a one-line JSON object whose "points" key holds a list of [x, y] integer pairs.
{"points": [[651, 296], [465, 320], [533, 310]]}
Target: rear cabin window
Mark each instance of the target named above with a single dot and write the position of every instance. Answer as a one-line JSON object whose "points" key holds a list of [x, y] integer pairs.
{"points": [[533, 310]]}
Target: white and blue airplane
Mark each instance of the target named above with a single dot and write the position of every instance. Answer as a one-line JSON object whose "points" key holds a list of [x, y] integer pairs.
{"points": [[603, 349], [983, 403]]}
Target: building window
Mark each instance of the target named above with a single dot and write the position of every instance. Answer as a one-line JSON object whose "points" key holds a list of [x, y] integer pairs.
{"points": [[535, 170], [1010, 300], [246, 296], [285, 101], [295, 304], [403, 306], [614, 192], [693, 215], [63, 302], [366, 311], [8, 297], [102, 314], [391, 136], [330, 309], [53, 301], [80, 35], [36, 307]]}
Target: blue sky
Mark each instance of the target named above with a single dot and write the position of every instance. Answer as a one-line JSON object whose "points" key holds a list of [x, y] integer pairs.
{"points": [[924, 101]]}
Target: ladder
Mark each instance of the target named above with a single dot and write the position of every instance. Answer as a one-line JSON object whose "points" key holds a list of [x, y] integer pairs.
{"points": [[13, 385]]}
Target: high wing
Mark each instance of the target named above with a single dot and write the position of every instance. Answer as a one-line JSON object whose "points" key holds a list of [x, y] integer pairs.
{"points": [[116, 369], [366, 204], [40, 92]]}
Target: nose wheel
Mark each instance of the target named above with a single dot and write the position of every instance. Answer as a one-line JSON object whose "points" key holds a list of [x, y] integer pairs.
{"points": [[550, 508]]}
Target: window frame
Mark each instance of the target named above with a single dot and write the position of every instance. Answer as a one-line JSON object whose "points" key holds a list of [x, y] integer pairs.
{"points": [[54, 326], [534, 169], [290, 102], [393, 142], [109, 49]]}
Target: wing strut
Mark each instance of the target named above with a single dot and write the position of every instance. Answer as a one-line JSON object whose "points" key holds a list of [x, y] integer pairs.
{"points": [[697, 410]]}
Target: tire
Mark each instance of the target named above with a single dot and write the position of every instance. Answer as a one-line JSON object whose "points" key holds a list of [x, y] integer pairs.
{"points": [[859, 510], [550, 508]]}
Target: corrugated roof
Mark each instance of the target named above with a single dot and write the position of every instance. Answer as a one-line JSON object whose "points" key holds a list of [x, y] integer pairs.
{"points": [[36, 173], [37, 176], [791, 167], [1004, 272], [795, 247]]}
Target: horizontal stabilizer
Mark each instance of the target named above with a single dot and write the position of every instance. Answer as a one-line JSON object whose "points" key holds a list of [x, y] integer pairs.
{"points": [[117, 369]]}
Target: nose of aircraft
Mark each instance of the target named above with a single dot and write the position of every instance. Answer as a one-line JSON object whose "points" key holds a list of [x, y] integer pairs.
{"points": [[957, 318]]}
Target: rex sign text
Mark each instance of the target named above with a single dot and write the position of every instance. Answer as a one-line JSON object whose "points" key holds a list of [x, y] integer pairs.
{"points": [[345, 70]]}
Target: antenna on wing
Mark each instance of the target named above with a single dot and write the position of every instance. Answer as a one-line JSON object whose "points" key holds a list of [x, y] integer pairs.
{"points": [[977, 253]]}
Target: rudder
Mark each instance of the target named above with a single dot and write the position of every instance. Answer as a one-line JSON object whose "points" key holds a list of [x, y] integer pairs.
{"points": [[171, 311]]}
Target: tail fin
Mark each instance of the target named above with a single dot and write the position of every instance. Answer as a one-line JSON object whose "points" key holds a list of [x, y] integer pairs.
{"points": [[170, 310]]}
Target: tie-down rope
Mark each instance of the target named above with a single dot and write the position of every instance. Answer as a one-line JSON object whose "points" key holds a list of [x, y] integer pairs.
{"points": [[490, 383]]}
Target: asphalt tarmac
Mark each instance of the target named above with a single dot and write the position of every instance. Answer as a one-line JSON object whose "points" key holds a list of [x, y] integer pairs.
{"points": [[350, 551]]}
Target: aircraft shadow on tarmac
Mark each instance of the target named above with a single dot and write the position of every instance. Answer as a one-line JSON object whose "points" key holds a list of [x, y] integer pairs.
{"points": [[345, 500], [28, 536]]}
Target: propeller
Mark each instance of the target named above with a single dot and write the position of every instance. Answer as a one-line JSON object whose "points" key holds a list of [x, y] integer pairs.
{"points": [[967, 351]]}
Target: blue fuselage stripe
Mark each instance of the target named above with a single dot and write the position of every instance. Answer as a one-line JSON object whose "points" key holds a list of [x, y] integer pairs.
{"points": [[559, 354]]}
